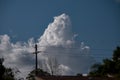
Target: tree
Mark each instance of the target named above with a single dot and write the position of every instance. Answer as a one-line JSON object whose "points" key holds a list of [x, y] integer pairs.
{"points": [[9, 74], [53, 66], [95, 70], [2, 68], [31, 75], [79, 74], [108, 67], [116, 55], [5, 73]]}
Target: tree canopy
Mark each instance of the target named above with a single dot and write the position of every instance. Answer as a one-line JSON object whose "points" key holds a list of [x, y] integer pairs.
{"points": [[5, 73], [40, 72], [109, 67]]}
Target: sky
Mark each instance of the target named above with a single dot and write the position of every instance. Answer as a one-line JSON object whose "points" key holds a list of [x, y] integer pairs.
{"points": [[95, 22]]}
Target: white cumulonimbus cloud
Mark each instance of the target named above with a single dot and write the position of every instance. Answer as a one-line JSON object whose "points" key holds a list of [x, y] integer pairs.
{"points": [[57, 41]]}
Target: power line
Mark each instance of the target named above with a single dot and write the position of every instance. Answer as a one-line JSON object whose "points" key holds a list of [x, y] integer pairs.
{"points": [[97, 49], [74, 55], [79, 53]]}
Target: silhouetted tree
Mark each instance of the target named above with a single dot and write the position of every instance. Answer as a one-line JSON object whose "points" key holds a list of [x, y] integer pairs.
{"points": [[5, 73], [2, 68], [108, 67], [31, 75], [116, 55], [79, 74]]}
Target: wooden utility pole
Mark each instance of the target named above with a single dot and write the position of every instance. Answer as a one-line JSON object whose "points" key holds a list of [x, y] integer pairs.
{"points": [[36, 59], [36, 62]]}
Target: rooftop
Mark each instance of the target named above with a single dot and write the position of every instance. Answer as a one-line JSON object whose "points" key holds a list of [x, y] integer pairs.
{"points": [[71, 78]]}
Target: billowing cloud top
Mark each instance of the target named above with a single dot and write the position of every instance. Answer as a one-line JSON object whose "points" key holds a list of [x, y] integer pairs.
{"points": [[57, 41], [58, 33]]}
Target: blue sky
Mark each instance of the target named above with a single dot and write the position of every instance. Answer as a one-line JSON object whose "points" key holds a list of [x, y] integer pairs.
{"points": [[97, 22]]}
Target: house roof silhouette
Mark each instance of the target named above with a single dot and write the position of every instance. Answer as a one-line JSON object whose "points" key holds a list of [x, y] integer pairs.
{"points": [[72, 78]]}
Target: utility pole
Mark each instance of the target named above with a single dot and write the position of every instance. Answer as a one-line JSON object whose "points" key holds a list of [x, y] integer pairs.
{"points": [[36, 62], [36, 59]]}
